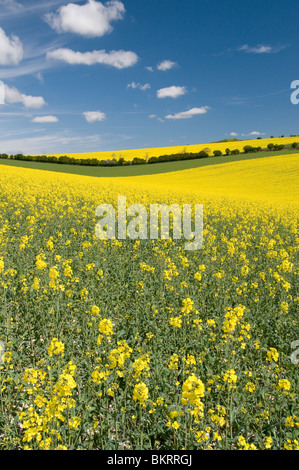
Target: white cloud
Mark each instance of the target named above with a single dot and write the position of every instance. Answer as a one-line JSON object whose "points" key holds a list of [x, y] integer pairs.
{"points": [[154, 116], [11, 49], [12, 96], [11, 5], [29, 68], [188, 114], [92, 19], [45, 119], [150, 69], [233, 134], [166, 65], [253, 134], [40, 77], [144, 87], [93, 116], [261, 49], [50, 143], [171, 92], [118, 59], [135, 85]]}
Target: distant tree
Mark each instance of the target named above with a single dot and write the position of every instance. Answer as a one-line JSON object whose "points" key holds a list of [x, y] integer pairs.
{"points": [[208, 151], [152, 160], [138, 161], [203, 154]]}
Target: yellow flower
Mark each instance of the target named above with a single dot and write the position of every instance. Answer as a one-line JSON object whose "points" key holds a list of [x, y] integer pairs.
{"points": [[230, 376], [56, 347], [141, 365], [175, 425], [284, 384], [95, 311], [176, 321], [268, 442], [187, 306], [250, 387], [173, 363], [193, 389], [272, 355], [140, 393], [74, 423], [40, 263], [105, 327]]}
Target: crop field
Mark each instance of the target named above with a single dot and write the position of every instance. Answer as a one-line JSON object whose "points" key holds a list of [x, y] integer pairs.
{"points": [[140, 344], [144, 169], [155, 152]]}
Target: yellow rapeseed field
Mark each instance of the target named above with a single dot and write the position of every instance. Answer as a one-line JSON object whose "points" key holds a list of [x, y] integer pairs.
{"points": [[139, 344], [275, 179], [156, 152]]}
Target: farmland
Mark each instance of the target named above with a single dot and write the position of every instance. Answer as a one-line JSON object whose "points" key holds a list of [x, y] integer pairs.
{"points": [[139, 344], [157, 151], [145, 169]]}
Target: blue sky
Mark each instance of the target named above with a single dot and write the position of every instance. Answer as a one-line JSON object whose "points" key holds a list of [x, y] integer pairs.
{"points": [[94, 76]]}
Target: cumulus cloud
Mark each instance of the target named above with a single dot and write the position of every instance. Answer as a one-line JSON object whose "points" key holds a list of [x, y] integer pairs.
{"points": [[135, 85], [44, 119], [188, 114], [233, 134], [261, 49], [91, 20], [152, 116], [94, 116], [11, 49], [166, 65], [118, 59], [12, 96], [150, 69], [171, 92], [256, 133]]}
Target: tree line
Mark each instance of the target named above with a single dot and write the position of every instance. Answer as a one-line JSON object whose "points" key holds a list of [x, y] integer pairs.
{"points": [[66, 160]]}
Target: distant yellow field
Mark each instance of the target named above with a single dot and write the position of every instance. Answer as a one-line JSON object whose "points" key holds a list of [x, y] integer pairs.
{"points": [[273, 179], [156, 152]]}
